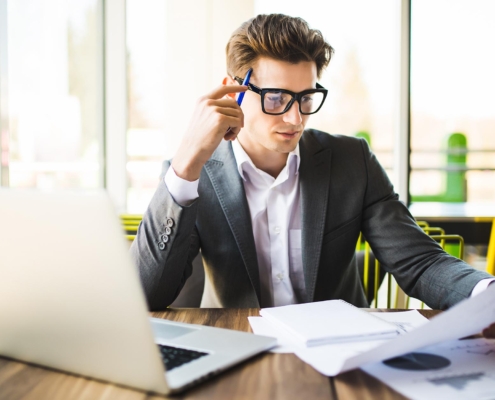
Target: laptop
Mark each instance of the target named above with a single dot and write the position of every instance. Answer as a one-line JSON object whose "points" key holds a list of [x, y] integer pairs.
{"points": [[71, 299]]}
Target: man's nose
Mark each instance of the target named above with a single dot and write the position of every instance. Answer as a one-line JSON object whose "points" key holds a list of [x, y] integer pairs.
{"points": [[293, 116]]}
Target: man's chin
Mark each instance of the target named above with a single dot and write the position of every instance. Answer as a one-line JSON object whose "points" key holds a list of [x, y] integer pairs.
{"points": [[286, 147]]}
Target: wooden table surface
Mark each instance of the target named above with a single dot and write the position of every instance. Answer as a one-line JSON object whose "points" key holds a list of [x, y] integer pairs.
{"points": [[267, 376]]}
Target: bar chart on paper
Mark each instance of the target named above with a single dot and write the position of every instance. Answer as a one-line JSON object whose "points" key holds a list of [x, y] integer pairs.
{"points": [[461, 382], [469, 374]]}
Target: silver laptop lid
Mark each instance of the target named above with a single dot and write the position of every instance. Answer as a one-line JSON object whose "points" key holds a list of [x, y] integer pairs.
{"points": [[70, 296]]}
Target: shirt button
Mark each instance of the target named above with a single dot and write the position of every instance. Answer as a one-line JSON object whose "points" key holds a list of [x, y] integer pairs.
{"points": [[280, 276], [277, 229]]}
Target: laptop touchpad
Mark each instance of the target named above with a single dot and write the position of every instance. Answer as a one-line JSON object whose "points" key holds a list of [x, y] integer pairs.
{"points": [[170, 331]]}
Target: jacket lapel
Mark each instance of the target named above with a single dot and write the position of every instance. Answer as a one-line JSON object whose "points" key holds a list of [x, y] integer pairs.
{"points": [[314, 184], [228, 186]]}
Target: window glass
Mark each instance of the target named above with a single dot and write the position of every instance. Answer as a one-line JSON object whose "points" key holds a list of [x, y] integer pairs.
{"points": [[148, 139], [452, 100], [176, 53], [54, 94]]}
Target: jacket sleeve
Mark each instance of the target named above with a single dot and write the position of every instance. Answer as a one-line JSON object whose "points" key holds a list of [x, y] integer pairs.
{"points": [[165, 246], [420, 266]]}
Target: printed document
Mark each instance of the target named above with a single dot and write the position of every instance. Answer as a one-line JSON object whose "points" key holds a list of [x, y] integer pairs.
{"points": [[467, 318], [404, 321], [331, 321], [468, 372]]}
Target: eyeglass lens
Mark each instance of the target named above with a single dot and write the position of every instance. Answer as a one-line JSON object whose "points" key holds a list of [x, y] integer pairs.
{"points": [[275, 102]]}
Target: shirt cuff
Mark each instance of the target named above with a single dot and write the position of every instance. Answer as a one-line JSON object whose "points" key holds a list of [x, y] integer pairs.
{"points": [[481, 286], [183, 192]]}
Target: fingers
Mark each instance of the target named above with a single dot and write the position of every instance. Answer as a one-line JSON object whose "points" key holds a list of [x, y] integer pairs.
{"points": [[230, 112], [489, 332], [227, 108], [234, 124], [231, 133], [225, 102], [223, 90]]}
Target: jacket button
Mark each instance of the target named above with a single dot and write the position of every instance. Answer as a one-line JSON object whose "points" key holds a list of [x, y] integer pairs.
{"points": [[168, 230], [164, 238], [170, 222], [162, 246]]}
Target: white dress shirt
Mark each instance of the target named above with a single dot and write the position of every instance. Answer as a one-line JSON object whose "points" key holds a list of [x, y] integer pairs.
{"points": [[276, 219], [275, 209]]}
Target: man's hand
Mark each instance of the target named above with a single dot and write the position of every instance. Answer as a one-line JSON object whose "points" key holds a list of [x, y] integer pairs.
{"points": [[489, 332], [217, 116]]}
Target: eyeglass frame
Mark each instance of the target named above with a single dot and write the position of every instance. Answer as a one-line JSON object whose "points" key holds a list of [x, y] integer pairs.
{"points": [[295, 96]]}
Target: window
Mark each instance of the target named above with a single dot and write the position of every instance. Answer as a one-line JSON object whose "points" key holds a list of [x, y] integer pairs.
{"points": [[51, 66], [176, 53], [52, 118], [452, 92]]}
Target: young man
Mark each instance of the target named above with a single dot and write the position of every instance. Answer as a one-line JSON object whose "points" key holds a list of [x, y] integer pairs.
{"points": [[275, 209]]}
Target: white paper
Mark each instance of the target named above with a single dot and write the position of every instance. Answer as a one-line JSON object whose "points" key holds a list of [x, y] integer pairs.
{"points": [[331, 321], [329, 359], [261, 326], [405, 320], [468, 317], [471, 374]]}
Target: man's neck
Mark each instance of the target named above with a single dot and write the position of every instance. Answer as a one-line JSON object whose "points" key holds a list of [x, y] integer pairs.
{"points": [[266, 160]]}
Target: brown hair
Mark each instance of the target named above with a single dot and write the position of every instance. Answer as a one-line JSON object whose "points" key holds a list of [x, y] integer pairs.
{"points": [[279, 37]]}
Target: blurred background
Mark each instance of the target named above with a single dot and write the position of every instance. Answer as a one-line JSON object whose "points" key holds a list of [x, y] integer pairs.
{"points": [[97, 93]]}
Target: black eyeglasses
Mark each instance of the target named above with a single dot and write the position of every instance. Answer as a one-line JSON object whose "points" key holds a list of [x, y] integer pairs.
{"points": [[279, 101]]}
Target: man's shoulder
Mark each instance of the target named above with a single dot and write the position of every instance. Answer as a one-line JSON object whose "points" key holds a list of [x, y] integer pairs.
{"points": [[316, 137]]}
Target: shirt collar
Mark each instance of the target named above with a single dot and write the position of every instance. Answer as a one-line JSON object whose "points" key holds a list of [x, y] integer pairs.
{"points": [[242, 158]]}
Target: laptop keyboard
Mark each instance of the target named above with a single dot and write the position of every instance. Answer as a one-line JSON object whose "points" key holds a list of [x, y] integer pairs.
{"points": [[174, 357]]}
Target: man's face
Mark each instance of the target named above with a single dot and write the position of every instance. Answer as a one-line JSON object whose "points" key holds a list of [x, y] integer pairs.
{"points": [[275, 133]]}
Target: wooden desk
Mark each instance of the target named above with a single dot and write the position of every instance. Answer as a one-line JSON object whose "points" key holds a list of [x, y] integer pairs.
{"points": [[267, 376]]}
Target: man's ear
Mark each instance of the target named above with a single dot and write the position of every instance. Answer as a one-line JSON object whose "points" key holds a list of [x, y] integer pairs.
{"points": [[229, 81]]}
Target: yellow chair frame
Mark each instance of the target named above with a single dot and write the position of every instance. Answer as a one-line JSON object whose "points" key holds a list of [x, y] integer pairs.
{"points": [[435, 233], [490, 256], [130, 224]]}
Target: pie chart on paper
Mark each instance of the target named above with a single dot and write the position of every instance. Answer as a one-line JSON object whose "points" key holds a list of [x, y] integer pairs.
{"points": [[418, 362]]}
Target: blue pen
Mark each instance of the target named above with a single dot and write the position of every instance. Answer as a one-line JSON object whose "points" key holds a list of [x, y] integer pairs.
{"points": [[241, 95], [244, 83]]}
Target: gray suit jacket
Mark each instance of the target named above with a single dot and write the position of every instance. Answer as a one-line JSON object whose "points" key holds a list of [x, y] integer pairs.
{"points": [[344, 190]]}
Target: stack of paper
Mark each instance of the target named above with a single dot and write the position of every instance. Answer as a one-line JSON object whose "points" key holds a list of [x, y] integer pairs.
{"points": [[466, 318], [405, 321], [468, 373], [324, 322]]}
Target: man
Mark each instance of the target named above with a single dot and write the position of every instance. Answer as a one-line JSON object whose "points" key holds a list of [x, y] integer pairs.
{"points": [[276, 210]]}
